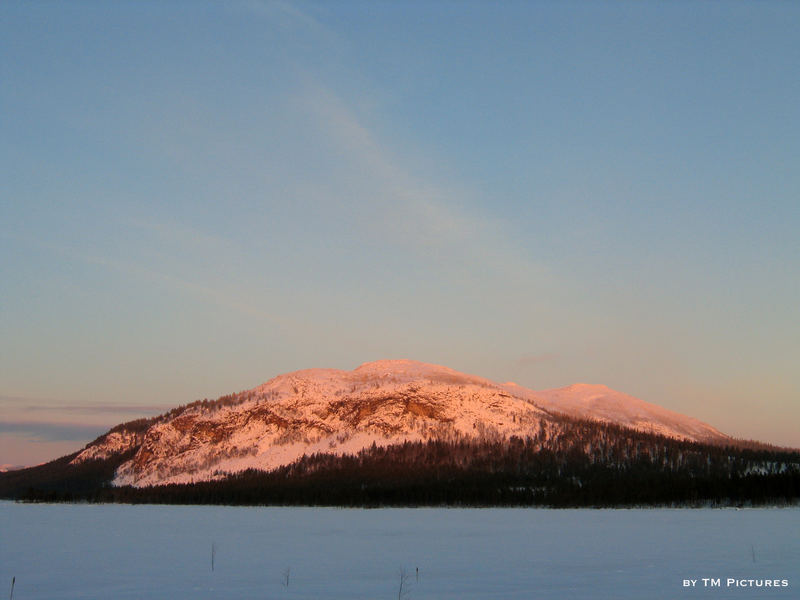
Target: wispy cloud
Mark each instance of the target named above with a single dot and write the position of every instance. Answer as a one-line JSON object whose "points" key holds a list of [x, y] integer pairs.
{"points": [[40, 405], [286, 15], [411, 210], [236, 302], [38, 431], [181, 234], [215, 295], [37, 423], [534, 360]]}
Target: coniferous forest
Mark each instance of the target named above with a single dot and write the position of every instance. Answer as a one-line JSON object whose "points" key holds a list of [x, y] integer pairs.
{"points": [[584, 464]]}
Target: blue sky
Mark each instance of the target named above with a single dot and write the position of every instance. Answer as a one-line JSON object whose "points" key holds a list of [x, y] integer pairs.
{"points": [[200, 196]]}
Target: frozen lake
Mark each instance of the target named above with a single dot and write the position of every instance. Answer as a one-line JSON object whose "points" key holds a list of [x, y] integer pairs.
{"points": [[120, 551]]}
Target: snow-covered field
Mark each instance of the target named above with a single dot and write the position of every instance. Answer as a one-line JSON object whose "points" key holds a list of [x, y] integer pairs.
{"points": [[117, 551]]}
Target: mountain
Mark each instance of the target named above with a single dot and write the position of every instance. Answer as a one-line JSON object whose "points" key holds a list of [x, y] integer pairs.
{"points": [[6, 468], [341, 412], [405, 433]]}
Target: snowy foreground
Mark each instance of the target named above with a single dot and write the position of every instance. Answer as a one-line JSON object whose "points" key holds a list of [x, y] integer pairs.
{"points": [[118, 551]]}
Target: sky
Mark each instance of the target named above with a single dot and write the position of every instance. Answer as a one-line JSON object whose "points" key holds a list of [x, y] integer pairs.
{"points": [[199, 196]]}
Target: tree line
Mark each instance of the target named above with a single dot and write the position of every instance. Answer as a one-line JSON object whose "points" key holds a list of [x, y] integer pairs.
{"points": [[574, 464]]}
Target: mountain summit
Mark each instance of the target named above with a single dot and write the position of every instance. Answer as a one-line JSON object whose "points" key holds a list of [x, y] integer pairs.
{"points": [[381, 403]]}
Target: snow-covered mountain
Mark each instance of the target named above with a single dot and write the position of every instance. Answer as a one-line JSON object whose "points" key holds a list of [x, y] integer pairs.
{"points": [[384, 402], [7, 467]]}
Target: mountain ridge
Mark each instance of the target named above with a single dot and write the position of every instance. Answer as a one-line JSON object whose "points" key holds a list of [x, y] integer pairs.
{"points": [[404, 433], [381, 403]]}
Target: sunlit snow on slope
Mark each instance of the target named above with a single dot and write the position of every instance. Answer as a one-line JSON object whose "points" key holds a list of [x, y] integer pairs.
{"points": [[127, 552], [383, 402]]}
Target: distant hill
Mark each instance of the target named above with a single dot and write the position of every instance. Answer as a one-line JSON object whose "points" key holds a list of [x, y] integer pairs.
{"points": [[403, 432]]}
